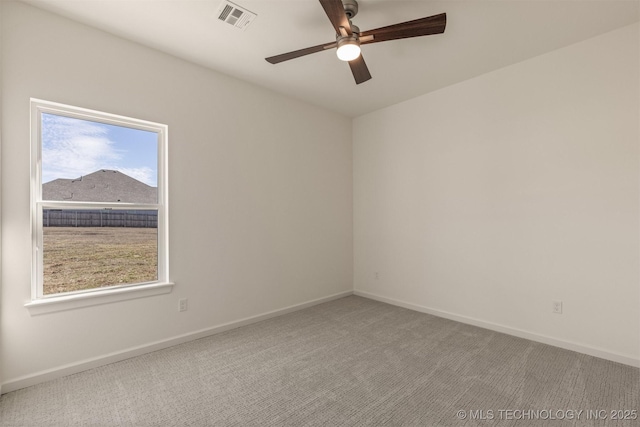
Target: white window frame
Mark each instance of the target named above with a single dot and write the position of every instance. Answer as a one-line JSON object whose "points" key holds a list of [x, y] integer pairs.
{"points": [[41, 303]]}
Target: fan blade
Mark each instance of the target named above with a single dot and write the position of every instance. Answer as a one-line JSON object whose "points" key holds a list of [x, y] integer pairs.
{"points": [[420, 27], [298, 53], [360, 70], [335, 12]]}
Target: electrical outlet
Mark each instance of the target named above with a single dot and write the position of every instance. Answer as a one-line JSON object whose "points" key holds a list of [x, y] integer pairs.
{"points": [[557, 307], [183, 304], [376, 275]]}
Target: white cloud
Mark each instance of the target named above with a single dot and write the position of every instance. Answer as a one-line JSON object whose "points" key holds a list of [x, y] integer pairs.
{"points": [[72, 148], [142, 174]]}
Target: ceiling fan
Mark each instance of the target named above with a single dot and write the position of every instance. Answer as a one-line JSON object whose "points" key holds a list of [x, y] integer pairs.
{"points": [[349, 37]]}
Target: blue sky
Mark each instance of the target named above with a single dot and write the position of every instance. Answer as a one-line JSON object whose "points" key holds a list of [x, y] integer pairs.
{"points": [[73, 147]]}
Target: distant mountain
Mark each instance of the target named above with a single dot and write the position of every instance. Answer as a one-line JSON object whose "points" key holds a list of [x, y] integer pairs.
{"points": [[101, 186]]}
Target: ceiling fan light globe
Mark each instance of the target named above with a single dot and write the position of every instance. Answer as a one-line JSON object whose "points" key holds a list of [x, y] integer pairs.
{"points": [[348, 52]]}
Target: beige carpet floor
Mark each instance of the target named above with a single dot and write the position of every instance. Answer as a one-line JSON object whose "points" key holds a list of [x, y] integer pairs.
{"points": [[349, 362]]}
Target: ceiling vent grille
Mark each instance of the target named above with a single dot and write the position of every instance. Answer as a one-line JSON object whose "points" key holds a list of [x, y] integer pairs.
{"points": [[235, 15]]}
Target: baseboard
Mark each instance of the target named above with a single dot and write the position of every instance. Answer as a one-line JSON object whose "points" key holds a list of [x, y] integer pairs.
{"points": [[74, 368], [567, 345]]}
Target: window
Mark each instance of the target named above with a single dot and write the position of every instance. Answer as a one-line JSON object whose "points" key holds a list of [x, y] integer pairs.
{"points": [[99, 203]]}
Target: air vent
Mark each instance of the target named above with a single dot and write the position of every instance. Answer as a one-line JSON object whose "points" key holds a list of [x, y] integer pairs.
{"points": [[235, 15]]}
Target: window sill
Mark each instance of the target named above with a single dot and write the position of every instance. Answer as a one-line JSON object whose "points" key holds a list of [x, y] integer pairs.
{"points": [[103, 296]]}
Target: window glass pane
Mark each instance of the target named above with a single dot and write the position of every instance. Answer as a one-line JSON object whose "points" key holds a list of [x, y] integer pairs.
{"points": [[86, 161], [88, 249]]}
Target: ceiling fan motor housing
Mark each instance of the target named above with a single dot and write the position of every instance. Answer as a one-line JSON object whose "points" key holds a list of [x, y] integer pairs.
{"points": [[352, 39]]}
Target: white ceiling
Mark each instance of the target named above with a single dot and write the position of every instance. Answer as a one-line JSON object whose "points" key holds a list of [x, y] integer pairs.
{"points": [[481, 36]]}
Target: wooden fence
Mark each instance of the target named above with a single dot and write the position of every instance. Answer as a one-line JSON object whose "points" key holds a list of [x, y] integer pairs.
{"points": [[99, 218]]}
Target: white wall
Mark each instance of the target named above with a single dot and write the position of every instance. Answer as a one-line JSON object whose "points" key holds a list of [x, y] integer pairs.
{"points": [[487, 200], [1, 126], [273, 176]]}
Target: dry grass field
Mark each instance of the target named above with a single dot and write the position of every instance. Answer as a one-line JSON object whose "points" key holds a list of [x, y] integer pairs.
{"points": [[86, 258]]}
